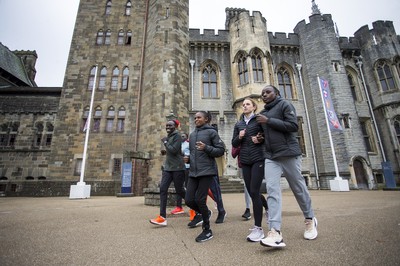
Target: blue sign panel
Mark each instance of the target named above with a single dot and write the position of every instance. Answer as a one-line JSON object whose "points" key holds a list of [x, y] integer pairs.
{"points": [[388, 174], [126, 182]]}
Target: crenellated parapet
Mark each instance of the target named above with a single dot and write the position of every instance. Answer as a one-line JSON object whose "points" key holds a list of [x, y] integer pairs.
{"points": [[381, 32], [208, 35], [231, 13], [282, 39]]}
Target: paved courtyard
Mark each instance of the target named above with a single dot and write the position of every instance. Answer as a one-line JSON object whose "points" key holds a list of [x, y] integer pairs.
{"points": [[355, 228]]}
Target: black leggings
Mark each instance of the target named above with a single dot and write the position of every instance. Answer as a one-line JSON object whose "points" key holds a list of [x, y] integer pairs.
{"points": [[167, 177], [196, 196], [253, 176]]}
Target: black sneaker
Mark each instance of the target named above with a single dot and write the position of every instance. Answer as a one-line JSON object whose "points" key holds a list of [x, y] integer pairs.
{"points": [[205, 235], [221, 217], [197, 220], [247, 215]]}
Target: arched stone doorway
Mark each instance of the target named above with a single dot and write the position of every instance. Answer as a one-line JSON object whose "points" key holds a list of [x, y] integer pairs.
{"points": [[360, 174]]}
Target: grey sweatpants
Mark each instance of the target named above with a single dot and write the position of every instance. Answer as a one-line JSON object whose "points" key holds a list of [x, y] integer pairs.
{"points": [[291, 169]]}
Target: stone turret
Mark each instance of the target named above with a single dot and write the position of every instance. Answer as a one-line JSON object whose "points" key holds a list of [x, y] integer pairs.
{"points": [[165, 90], [248, 35]]}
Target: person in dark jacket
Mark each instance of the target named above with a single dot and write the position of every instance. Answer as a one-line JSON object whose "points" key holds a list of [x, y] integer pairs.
{"points": [[204, 145], [283, 155], [173, 169], [247, 135]]}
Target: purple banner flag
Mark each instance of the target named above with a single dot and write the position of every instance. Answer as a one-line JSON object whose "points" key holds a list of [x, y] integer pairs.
{"points": [[334, 123]]}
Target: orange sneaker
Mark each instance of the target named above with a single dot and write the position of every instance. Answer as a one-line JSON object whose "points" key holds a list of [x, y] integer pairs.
{"points": [[192, 214], [178, 210], [159, 221]]}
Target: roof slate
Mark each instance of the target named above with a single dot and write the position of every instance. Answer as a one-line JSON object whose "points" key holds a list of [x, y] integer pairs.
{"points": [[13, 64]]}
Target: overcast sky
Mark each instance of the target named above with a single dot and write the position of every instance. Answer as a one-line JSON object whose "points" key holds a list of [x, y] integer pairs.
{"points": [[47, 25]]}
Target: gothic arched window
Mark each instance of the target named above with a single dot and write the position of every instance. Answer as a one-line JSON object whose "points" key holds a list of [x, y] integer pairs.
{"points": [[97, 119], [100, 37], [209, 80], [121, 119], [257, 67], [285, 83], [128, 39], [128, 8], [120, 39], [92, 74], [354, 85], [108, 7], [49, 134], [242, 70], [385, 76], [110, 119], [102, 80], [125, 78], [108, 37], [114, 78]]}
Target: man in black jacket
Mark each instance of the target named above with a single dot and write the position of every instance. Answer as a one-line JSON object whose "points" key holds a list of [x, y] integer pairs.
{"points": [[283, 155]]}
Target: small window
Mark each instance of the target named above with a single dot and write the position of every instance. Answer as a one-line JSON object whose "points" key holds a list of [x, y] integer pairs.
{"points": [[120, 40], [78, 166], [366, 131], [102, 80], [108, 8], [92, 75], [107, 40], [346, 121], [128, 39], [117, 165], [125, 78], [128, 8], [120, 125], [114, 78], [100, 37]]}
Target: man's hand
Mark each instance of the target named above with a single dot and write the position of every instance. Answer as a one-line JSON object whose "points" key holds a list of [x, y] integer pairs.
{"points": [[262, 119]]}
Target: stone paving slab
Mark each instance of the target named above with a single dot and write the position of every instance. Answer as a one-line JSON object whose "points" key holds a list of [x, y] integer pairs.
{"points": [[355, 228]]}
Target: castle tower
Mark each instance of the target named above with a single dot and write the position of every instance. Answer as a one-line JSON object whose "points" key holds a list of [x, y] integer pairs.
{"points": [[250, 49], [141, 51], [380, 49], [320, 55], [165, 90]]}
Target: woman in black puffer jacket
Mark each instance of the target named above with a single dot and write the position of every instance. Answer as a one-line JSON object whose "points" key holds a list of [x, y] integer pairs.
{"points": [[247, 135]]}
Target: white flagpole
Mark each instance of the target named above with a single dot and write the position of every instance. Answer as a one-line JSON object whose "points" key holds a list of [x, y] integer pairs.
{"points": [[81, 190], [337, 178], [88, 122], [329, 132]]}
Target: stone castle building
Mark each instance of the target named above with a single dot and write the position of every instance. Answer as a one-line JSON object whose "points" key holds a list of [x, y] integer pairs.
{"points": [[146, 66]]}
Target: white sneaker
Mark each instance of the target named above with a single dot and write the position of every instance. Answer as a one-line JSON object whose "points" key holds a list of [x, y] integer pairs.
{"points": [[311, 229], [257, 233], [273, 239]]}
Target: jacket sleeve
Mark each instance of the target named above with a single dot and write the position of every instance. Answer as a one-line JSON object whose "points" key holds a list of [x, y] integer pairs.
{"points": [[235, 137], [217, 149], [289, 121], [173, 144]]}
